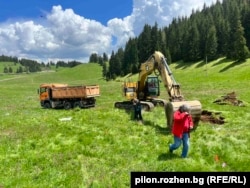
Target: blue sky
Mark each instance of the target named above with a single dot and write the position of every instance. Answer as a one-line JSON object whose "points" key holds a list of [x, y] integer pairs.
{"points": [[52, 30], [99, 10]]}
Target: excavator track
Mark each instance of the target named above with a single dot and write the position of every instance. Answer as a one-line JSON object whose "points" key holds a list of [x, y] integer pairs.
{"points": [[159, 102], [128, 105], [147, 106]]}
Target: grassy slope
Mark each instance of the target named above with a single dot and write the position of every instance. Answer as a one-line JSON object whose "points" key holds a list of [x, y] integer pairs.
{"points": [[99, 147]]}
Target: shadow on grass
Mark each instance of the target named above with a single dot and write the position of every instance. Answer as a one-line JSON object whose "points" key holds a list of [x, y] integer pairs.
{"points": [[167, 156], [183, 65], [158, 128], [235, 63], [220, 61], [228, 62]]}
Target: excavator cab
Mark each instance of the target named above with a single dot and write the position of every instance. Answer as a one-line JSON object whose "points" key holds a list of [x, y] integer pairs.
{"points": [[152, 87]]}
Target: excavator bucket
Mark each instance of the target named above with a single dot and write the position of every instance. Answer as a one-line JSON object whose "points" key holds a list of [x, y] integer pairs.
{"points": [[195, 110]]}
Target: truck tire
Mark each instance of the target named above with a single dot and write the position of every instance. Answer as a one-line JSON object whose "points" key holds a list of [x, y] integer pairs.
{"points": [[67, 105], [47, 105], [77, 105]]}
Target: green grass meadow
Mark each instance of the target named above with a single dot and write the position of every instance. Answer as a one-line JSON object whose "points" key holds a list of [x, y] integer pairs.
{"points": [[100, 146]]}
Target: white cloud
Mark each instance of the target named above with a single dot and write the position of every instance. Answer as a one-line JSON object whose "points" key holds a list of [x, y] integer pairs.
{"points": [[62, 34], [76, 35], [122, 29], [162, 11]]}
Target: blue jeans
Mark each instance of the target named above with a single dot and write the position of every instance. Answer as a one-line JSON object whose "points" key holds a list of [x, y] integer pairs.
{"points": [[177, 142]]}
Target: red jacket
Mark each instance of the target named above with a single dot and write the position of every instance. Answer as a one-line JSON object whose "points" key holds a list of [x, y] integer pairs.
{"points": [[182, 123]]}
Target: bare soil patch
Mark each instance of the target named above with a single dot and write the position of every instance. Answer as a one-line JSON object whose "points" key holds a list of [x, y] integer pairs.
{"points": [[212, 117], [216, 117]]}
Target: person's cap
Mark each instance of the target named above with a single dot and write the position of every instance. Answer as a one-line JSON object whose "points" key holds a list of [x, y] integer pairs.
{"points": [[136, 100], [184, 108]]}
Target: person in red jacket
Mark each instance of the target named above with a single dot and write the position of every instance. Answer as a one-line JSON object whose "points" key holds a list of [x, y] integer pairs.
{"points": [[182, 124]]}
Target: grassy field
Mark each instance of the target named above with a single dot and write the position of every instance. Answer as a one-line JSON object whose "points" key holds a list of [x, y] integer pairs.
{"points": [[99, 147]]}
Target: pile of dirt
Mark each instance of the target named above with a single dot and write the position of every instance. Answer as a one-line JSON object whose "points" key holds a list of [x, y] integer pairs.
{"points": [[212, 117], [230, 99]]}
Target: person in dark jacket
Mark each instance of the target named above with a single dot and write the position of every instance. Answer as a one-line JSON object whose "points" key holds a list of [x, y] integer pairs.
{"points": [[137, 110], [181, 127]]}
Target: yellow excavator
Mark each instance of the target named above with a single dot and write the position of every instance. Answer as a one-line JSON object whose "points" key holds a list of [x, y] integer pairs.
{"points": [[147, 90]]}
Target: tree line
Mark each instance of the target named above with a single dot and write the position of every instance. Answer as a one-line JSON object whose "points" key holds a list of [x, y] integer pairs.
{"points": [[221, 30], [28, 65]]}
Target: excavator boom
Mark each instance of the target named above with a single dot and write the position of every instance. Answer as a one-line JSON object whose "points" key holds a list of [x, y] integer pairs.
{"points": [[157, 64]]}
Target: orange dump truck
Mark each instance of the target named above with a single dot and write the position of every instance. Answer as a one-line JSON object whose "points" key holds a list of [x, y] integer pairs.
{"points": [[67, 97]]}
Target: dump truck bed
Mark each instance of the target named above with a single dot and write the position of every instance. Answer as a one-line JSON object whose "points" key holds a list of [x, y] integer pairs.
{"points": [[86, 91]]}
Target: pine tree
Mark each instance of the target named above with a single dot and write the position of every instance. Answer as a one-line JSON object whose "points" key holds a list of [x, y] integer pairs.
{"points": [[112, 65], [192, 44], [144, 43], [155, 39], [10, 70], [238, 49], [131, 60], [5, 70], [211, 44]]}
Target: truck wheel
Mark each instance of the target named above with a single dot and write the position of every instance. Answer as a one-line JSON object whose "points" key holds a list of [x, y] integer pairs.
{"points": [[76, 105], [67, 105], [47, 105]]}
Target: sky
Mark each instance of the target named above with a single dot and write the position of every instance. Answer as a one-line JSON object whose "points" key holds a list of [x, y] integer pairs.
{"points": [[52, 30]]}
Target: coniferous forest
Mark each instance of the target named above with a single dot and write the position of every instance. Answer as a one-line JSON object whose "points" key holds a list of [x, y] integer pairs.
{"points": [[220, 30]]}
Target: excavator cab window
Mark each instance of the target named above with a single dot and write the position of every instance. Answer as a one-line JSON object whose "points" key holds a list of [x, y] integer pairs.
{"points": [[153, 86]]}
